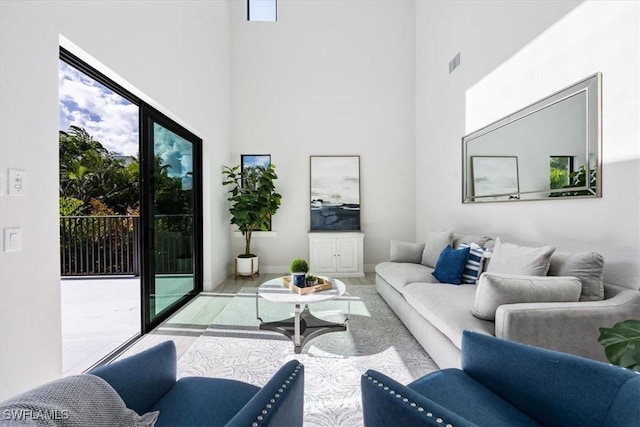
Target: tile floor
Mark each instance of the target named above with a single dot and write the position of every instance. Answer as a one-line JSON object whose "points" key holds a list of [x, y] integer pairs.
{"points": [[188, 324], [102, 314]]}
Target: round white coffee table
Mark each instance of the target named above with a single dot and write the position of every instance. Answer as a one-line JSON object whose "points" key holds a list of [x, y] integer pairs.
{"points": [[303, 325]]}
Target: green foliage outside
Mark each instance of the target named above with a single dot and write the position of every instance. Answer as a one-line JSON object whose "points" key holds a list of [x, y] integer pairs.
{"points": [[96, 181], [70, 206], [90, 171], [622, 344], [558, 172]]}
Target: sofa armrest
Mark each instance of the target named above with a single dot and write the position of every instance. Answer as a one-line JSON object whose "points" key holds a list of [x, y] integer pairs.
{"points": [[568, 327], [279, 403], [386, 402], [142, 379]]}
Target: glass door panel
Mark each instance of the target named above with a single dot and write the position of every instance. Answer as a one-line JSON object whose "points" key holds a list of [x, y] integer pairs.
{"points": [[174, 219]]}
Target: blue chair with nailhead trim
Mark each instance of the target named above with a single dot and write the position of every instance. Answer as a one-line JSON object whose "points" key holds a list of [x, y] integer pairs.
{"points": [[147, 382], [504, 383]]}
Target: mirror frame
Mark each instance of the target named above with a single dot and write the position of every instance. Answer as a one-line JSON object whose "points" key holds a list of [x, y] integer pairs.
{"points": [[592, 86]]}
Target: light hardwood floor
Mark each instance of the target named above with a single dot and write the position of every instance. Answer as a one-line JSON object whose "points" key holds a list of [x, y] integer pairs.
{"points": [[190, 322]]}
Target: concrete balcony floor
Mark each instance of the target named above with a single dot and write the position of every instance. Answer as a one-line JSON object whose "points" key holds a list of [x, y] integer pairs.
{"points": [[98, 315]]}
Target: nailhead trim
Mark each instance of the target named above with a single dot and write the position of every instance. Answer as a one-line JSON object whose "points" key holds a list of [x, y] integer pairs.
{"points": [[275, 397], [404, 399]]}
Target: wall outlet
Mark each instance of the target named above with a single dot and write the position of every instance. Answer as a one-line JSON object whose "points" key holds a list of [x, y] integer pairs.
{"points": [[17, 182]]}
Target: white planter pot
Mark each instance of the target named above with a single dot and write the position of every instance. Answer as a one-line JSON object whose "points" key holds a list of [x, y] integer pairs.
{"points": [[247, 266]]}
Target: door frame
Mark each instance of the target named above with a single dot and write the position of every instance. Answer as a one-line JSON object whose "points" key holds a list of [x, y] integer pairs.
{"points": [[146, 111], [148, 116]]}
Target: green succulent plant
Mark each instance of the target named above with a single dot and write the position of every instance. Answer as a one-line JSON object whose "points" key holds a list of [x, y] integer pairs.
{"points": [[299, 266]]}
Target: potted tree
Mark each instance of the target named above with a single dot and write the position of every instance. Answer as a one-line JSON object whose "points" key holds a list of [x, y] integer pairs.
{"points": [[253, 200]]}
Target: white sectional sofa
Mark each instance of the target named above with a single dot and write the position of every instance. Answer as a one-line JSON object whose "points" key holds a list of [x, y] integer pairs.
{"points": [[437, 313]]}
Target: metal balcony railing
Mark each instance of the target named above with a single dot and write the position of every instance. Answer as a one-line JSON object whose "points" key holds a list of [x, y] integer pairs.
{"points": [[99, 245], [109, 245]]}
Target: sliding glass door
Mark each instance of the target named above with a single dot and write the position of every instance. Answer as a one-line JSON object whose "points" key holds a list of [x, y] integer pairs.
{"points": [[172, 215]]}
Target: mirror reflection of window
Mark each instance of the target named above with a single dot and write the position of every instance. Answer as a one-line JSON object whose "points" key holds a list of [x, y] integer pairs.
{"points": [[560, 169]]}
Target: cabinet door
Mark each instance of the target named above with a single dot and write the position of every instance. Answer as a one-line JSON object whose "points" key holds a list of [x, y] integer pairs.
{"points": [[324, 255], [347, 259]]}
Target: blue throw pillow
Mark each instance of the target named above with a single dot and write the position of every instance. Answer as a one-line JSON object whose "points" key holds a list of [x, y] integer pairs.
{"points": [[450, 265]]}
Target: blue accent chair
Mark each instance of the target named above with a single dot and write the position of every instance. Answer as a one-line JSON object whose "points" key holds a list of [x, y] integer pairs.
{"points": [[147, 382], [504, 383]]}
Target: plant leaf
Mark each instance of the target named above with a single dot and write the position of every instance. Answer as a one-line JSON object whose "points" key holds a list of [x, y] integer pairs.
{"points": [[622, 344]]}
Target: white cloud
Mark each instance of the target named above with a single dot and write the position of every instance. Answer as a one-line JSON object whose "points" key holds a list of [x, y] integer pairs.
{"points": [[108, 117]]}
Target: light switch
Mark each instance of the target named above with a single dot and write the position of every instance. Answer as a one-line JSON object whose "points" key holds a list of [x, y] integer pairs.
{"points": [[17, 182], [12, 239]]}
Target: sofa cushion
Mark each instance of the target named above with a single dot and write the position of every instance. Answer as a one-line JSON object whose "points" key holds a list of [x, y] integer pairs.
{"points": [[79, 400], [190, 402], [509, 258], [586, 266], [447, 308], [474, 264], [461, 239], [399, 274], [435, 243], [406, 252], [469, 399], [495, 290], [450, 265]]}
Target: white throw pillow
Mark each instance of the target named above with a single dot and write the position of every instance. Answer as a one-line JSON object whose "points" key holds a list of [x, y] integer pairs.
{"points": [[406, 252], [495, 290], [508, 258], [436, 242], [586, 266]]}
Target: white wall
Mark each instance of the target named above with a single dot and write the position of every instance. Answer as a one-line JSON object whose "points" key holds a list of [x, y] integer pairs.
{"points": [[329, 78], [512, 54], [177, 56]]}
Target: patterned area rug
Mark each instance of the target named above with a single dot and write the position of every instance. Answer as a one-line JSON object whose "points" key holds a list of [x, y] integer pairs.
{"points": [[233, 347]]}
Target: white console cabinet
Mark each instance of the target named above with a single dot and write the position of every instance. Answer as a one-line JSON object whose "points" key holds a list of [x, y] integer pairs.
{"points": [[336, 254]]}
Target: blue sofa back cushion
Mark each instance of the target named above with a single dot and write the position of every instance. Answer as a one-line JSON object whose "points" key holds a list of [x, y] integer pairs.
{"points": [[593, 397], [451, 264], [200, 401], [461, 394], [152, 370]]}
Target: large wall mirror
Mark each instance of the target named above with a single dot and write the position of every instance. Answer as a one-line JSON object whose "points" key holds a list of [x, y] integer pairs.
{"points": [[550, 149]]}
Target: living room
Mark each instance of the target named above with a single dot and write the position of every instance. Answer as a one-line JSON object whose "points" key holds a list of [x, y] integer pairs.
{"points": [[367, 78]]}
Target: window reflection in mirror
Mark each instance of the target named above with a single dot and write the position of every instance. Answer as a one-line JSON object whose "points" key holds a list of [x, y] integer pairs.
{"points": [[560, 167]]}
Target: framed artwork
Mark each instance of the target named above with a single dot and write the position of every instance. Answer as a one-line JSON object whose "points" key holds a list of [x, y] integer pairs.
{"points": [[253, 160], [495, 178], [335, 193]]}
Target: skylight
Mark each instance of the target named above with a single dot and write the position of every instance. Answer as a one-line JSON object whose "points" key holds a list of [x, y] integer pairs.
{"points": [[262, 10]]}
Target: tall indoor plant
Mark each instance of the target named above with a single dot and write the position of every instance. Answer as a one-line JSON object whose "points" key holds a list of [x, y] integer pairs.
{"points": [[254, 201]]}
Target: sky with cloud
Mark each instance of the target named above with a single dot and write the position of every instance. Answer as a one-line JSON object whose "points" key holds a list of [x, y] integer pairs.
{"points": [[107, 116], [113, 120]]}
